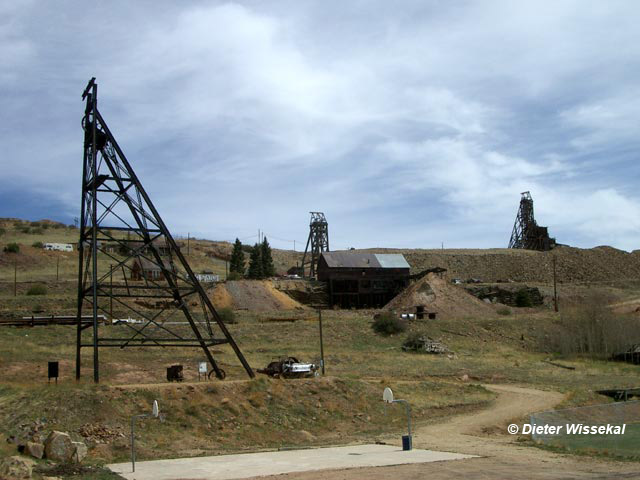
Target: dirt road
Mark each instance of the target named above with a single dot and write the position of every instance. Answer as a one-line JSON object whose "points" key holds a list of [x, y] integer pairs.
{"points": [[484, 433]]}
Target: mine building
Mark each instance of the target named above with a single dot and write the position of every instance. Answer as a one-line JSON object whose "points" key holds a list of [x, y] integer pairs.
{"points": [[143, 268], [362, 280]]}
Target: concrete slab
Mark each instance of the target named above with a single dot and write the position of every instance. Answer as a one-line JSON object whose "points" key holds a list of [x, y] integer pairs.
{"points": [[228, 467]]}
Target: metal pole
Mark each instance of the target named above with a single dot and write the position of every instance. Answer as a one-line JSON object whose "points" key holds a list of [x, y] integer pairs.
{"points": [[94, 232], [406, 404], [321, 342], [555, 286], [133, 440], [111, 290]]}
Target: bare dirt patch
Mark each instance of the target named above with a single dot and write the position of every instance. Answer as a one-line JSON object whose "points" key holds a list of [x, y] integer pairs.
{"points": [[253, 295]]}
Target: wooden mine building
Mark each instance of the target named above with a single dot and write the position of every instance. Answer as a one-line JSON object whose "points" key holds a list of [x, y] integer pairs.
{"points": [[363, 280]]}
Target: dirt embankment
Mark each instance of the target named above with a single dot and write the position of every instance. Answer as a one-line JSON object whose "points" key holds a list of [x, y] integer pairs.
{"points": [[438, 295], [253, 295], [600, 264]]}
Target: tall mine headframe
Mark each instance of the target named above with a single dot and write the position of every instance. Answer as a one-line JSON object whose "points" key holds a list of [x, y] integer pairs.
{"points": [[129, 260], [317, 243], [526, 232]]}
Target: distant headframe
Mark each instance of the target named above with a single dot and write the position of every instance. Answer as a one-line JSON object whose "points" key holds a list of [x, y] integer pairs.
{"points": [[527, 234]]}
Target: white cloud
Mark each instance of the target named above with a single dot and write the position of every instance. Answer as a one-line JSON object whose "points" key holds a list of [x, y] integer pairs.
{"points": [[605, 121]]}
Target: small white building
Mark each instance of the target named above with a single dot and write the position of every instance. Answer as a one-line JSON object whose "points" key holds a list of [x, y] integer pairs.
{"points": [[60, 247], [207, 277]]}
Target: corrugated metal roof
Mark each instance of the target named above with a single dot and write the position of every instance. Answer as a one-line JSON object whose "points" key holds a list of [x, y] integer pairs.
{"points": [[364, 260], [392, 260]]}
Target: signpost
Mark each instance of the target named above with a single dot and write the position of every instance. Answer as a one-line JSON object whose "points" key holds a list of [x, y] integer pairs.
{"points": [[202, 369]]}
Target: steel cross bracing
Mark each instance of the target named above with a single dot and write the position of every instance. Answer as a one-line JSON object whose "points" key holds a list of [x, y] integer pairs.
{"points": [[317, 243], [146, 266], [526, 233]]}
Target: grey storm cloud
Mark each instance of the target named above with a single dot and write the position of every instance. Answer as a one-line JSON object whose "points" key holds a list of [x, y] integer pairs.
{"points": [[407, 123]]}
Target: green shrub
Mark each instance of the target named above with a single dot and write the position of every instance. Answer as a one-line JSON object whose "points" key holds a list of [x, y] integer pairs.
{"points": [[37, 245], [388, 323], [234, 276], [24, 230], [523, 299], [36, 231], [37, 289], [11, 248], [414, 341], [227, 315], [2, 231], [504, 311]]}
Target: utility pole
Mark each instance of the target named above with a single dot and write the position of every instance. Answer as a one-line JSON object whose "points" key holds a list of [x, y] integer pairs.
{"points": [[321, 342], [555, 285]]}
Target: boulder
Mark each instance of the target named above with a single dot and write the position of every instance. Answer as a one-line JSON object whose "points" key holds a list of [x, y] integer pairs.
{"points": [[16, 468], [35, 449], [59, 447], [79, 452], [306, 436]]}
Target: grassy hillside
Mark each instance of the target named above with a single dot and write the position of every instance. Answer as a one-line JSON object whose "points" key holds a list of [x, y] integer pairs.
{"points": [[508, 346]]}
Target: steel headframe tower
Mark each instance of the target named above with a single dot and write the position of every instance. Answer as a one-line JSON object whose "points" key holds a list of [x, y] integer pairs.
{"points": [[317, 243], [116, 209], [527, 234]]}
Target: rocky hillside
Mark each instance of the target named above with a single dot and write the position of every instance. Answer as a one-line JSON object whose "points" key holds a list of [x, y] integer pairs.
{"points": [[599, 264]]}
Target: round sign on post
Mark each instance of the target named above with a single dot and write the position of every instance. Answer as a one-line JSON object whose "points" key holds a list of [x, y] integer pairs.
{"points": [[387, 395]]}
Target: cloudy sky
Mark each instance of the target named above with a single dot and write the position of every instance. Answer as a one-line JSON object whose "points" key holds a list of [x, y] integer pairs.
{"points": [[408, 123]]}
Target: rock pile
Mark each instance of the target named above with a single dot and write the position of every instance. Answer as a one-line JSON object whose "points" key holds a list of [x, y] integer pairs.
{"points": [[57, 447], [424, 344], [95, 433], [16, 468], [438, 295], [507, 295]]}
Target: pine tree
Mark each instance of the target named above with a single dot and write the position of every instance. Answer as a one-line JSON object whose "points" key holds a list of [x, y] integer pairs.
{"points": [[268, 270], [255, 263], [236, 265]]}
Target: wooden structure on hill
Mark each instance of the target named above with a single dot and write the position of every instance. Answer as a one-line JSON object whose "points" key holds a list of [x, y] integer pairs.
{"points": [[526, 232], [363, 280]]}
